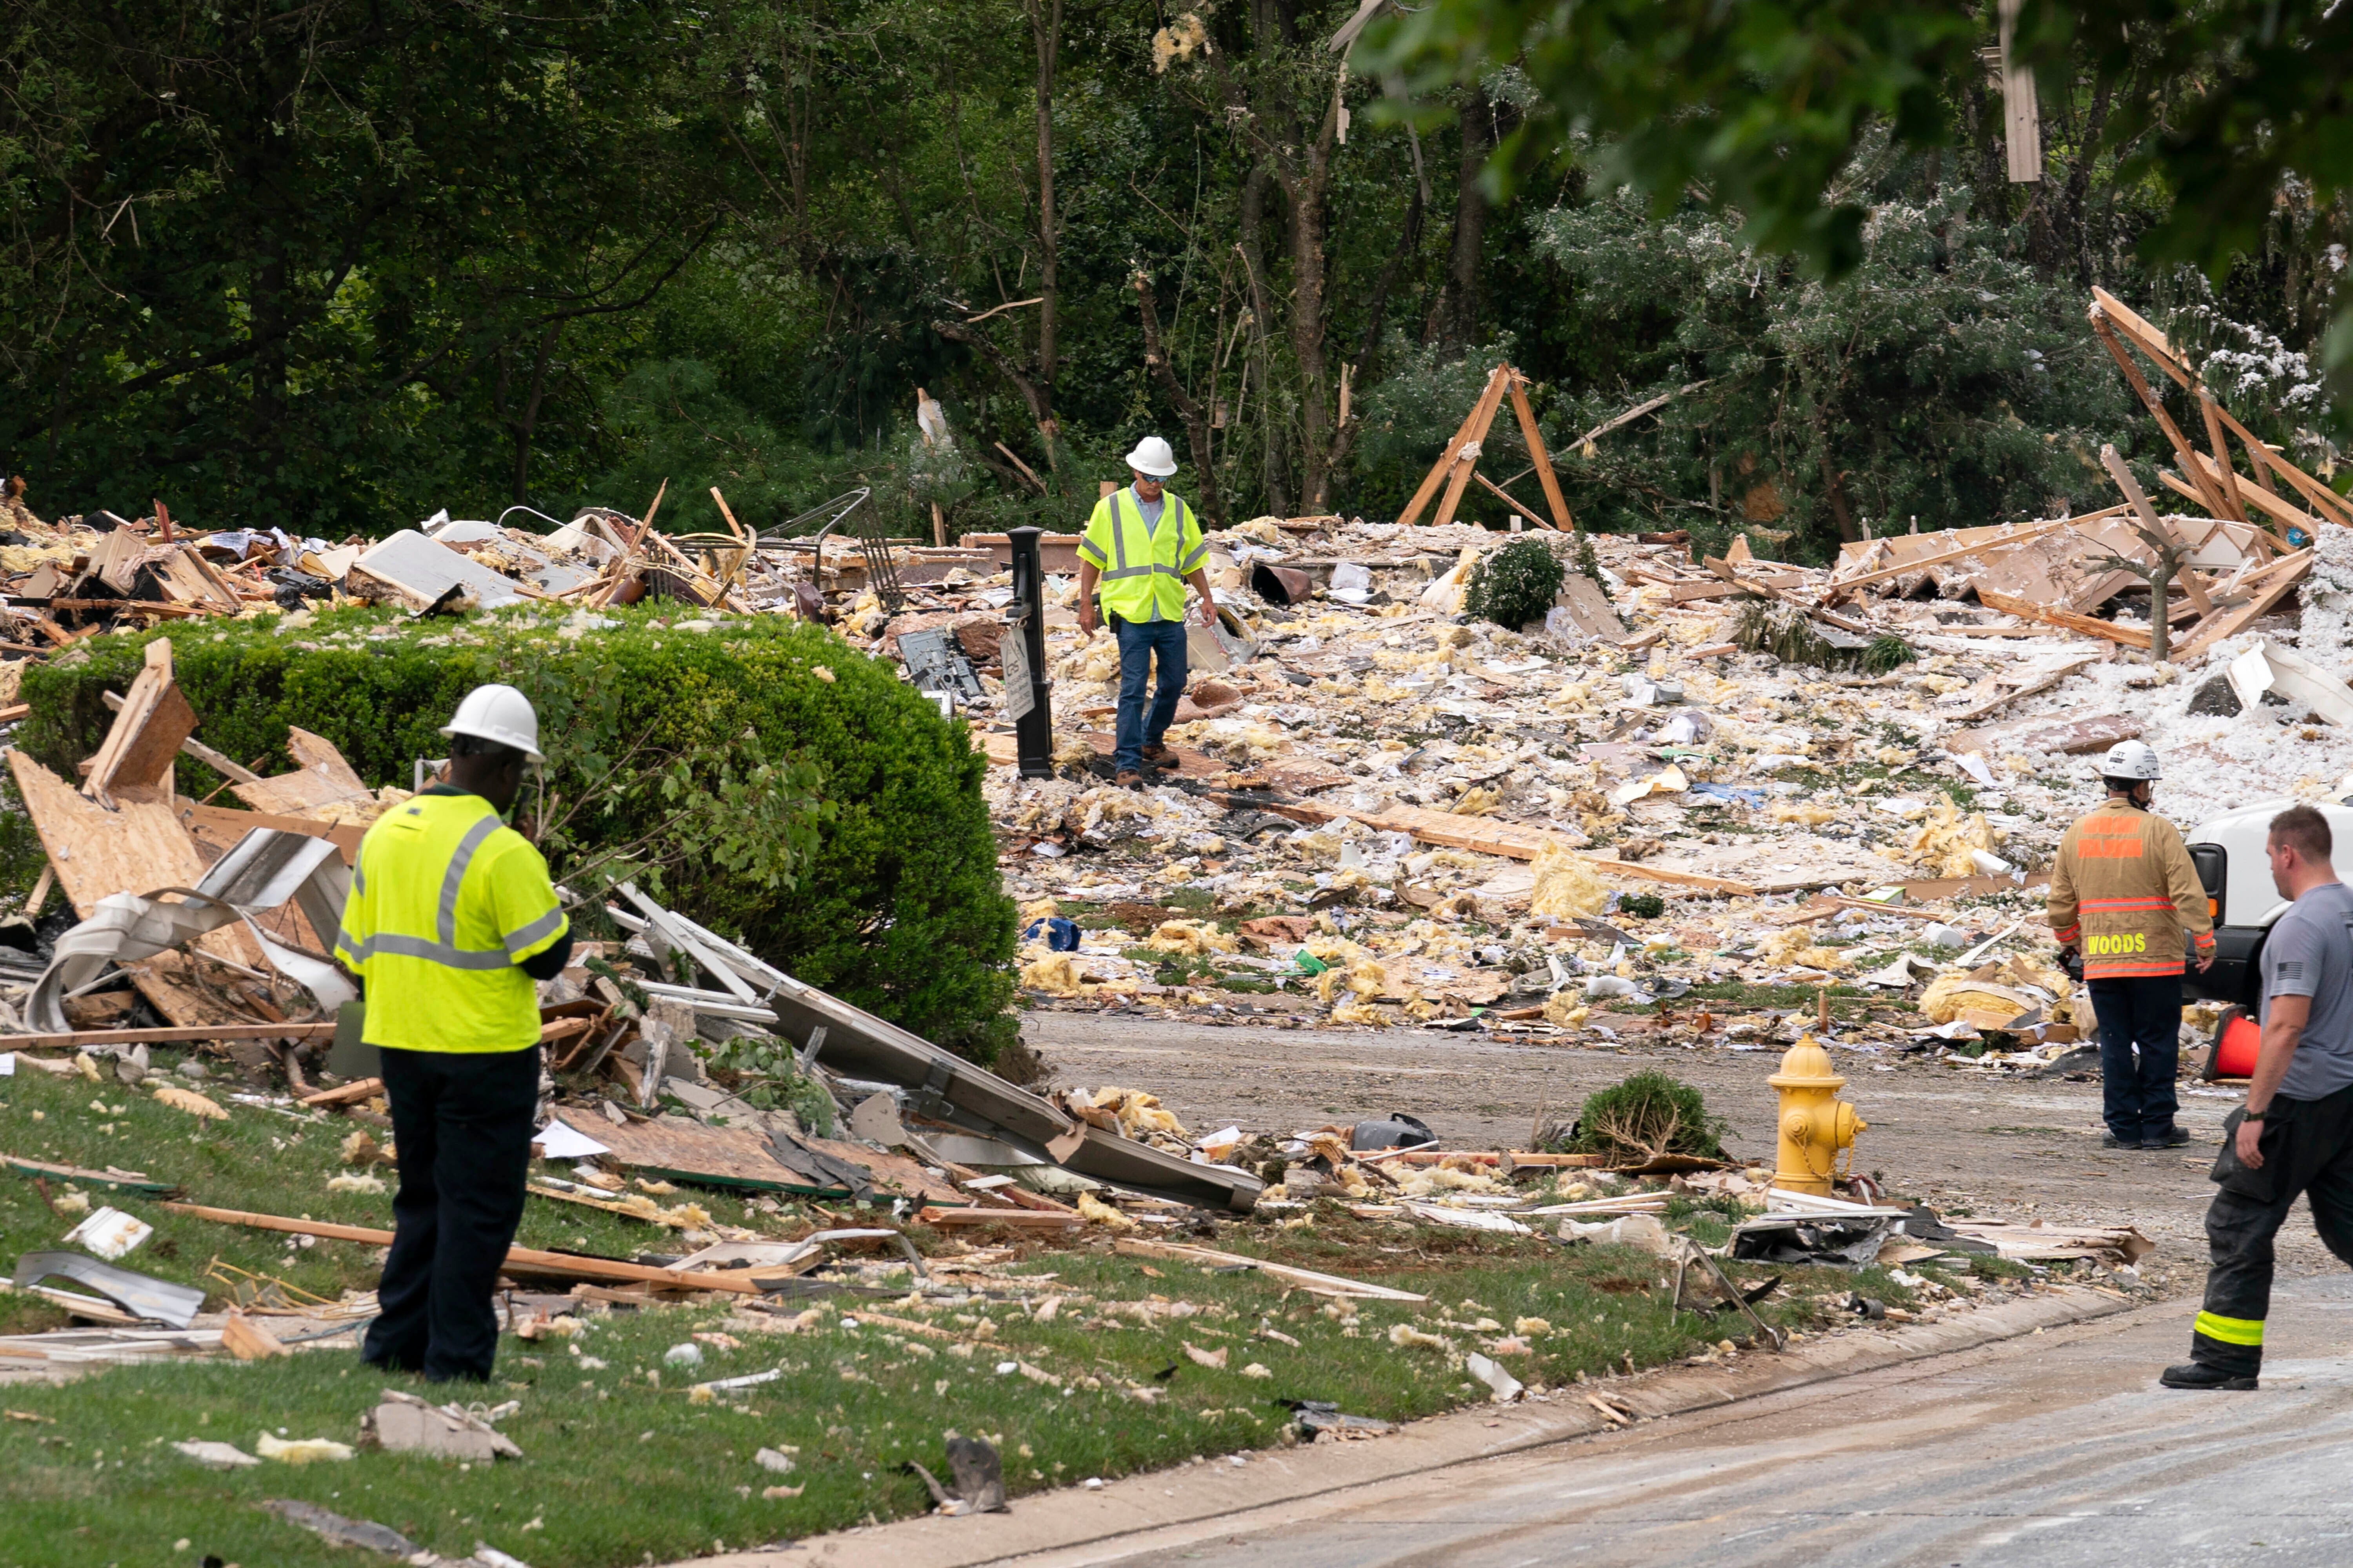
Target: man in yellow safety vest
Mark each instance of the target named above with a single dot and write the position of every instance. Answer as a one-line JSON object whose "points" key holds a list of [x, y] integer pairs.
{"points": [[1141, 547], [451, 918]]}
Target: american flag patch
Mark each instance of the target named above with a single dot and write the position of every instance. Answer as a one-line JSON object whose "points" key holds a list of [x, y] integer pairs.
{"points": [[2290, 968]]}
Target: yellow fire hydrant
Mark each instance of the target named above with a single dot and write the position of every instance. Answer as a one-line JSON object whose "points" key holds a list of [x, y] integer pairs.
{"points": [[1815, 1123]]}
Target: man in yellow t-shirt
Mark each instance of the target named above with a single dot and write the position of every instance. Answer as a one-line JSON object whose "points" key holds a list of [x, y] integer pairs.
{"points": [[1141, 547], [451, 921]]}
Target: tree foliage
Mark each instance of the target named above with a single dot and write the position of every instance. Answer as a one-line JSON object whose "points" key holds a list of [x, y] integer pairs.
{"points": [[341, 265]]}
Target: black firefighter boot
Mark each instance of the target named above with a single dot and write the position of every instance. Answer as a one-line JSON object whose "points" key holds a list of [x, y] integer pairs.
{"points": [[2197, 1374]]}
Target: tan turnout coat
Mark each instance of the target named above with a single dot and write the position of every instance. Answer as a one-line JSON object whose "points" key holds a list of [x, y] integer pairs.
{"points": [[2123, 891]]}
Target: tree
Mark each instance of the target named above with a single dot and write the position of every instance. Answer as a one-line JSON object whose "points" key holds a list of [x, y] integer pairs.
{"points": [[1766, 107], [250, 254]]}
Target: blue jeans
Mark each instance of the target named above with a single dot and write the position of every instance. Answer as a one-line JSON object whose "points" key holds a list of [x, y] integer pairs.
{"points": [[2137, 1084], [1138, 642]]}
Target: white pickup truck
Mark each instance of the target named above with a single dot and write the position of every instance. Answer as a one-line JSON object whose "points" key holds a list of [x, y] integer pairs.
{"points": [[2235, 868]]}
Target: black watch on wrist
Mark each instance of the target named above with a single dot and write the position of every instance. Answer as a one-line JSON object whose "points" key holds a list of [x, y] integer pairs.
{"points": [[2251, 1116]]}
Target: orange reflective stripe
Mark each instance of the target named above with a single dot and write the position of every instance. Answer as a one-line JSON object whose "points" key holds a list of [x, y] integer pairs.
{"points": [[2130, 971], [2090, 905]]}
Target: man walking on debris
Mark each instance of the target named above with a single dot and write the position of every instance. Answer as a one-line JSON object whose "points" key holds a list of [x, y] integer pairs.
{"points": [[1142, 546], [2296, 1133], [2123, 894], [451, 918]]}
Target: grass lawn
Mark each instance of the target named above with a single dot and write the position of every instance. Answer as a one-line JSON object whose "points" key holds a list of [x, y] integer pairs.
{"points": [[623, 1465]]}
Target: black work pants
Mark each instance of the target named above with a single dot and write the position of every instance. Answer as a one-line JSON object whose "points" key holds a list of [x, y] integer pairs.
{"points": [[462, 1125], [2140, 1054], [2307, 1147]]}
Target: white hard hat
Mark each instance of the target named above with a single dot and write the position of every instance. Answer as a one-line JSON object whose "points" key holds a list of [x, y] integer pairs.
{"points": [[1152, 457], [2128, 759], [498, 713]]}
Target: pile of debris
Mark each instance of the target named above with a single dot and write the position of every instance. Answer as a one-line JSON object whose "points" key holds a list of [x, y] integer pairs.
{"points": [[1694, 775]]}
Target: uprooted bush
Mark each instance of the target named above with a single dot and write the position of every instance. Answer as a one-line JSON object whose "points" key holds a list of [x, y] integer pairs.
{"points": [[755, 772], [1648, 1115], [1515, 583]]}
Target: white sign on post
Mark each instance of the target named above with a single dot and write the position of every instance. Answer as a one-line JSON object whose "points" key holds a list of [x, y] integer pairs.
{"points": [[1021, 695]]}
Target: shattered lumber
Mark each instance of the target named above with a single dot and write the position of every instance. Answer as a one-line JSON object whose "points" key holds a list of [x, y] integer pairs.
{"points": [[1305, 1278], [524, 1259], [2065, 620], [76, 1038]]}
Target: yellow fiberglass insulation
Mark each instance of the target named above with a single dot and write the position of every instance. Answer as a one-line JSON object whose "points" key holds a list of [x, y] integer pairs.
{"points": [[1192, 938], [1055, 972], [1811, 815], [1477, 801], [1361, 1012], [1982, 1003], [1796, 945], [1562, 1008], [1138, 1113], [1946, 839], [1363, 975], [1096, 1211], [1565, 885]]}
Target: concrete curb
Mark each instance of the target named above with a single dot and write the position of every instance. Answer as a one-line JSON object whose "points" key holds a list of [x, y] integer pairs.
{"points": [[1071, 1519]]}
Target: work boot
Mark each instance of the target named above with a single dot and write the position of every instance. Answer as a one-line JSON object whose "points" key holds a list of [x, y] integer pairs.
{"points": [[2110, 1140], [1159, 756], [1128, 778], [2197, 1374], [2172, 1138]]}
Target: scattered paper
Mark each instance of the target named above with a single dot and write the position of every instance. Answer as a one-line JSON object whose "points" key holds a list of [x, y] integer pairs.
{"points": [[559, 1139]]}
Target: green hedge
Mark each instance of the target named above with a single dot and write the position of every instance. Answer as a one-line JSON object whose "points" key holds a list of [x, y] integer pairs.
{"points": [[871, 871]]}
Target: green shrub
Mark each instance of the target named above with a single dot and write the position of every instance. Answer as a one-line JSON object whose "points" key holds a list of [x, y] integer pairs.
{"points": [[1887, 653], [1587, 561], [757, 773], [1514, 583], [1648, 1115]]}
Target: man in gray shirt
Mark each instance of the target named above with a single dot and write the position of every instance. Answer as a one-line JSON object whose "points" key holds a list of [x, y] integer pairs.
{"points": [[2295, 1135]]}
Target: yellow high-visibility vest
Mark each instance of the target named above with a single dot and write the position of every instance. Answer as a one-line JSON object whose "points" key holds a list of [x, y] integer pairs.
{"points": [[1142, 571], [446, 902]]}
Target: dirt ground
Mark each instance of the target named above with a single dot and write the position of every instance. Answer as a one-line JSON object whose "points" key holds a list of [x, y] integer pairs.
{"points": [[1998, 1145]]}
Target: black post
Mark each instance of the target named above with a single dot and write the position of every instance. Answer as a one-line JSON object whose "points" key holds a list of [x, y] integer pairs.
{"points": [[1027, 699]]}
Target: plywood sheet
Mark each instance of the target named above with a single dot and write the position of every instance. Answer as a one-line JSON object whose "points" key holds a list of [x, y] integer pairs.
{"points": [[716, 1156], [216, 829], [145, 736], [138, 848], [321, 778], [1590, 608]]}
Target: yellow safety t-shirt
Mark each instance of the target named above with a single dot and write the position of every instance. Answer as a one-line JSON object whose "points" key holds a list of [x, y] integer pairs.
{"points": [[446, 902], [1143, 569]]}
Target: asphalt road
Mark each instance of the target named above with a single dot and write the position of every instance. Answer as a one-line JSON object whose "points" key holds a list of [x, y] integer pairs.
{"points": [[2054, 1450]]}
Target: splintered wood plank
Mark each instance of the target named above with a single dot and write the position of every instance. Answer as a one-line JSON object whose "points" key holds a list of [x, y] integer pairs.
{"points": [[2278, 580], [2083, 626], [146, 733], [1538, 455], [321, 778], [1438, 470]]}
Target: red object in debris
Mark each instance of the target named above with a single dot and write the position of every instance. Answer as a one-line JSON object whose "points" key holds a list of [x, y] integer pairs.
{"points": [[2234, 1051]]}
